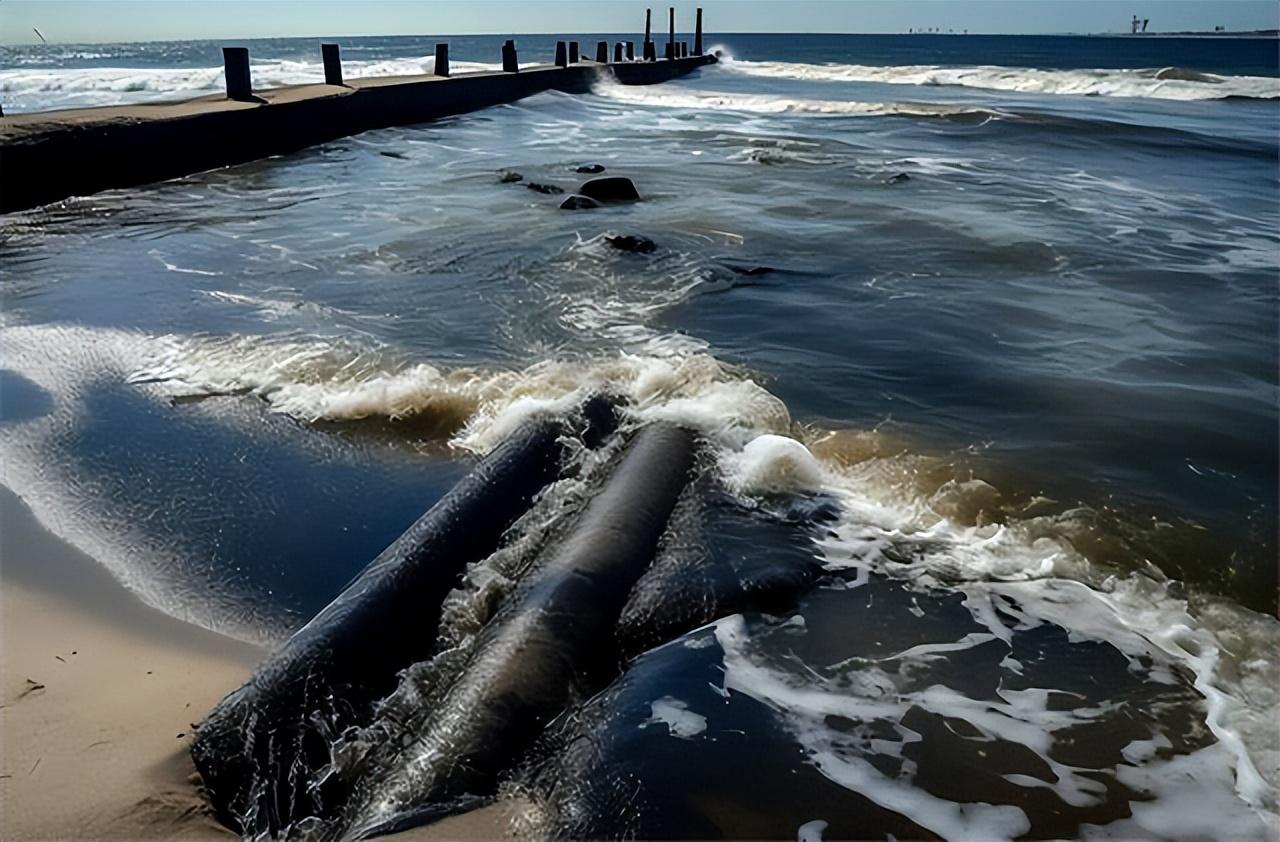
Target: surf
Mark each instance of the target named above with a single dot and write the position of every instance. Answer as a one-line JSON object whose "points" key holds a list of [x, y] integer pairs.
{"points": [[1154, 83]]}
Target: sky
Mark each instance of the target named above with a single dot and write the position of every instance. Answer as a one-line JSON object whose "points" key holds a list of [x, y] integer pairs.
{"points": [[81, 21]]}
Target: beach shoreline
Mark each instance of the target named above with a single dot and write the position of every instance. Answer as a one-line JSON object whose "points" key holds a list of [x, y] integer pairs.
{"points": [[99, 693], [99, 696]]}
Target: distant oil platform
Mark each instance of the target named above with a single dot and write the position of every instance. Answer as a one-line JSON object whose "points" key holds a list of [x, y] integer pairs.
{"points": [[1138, 26]]}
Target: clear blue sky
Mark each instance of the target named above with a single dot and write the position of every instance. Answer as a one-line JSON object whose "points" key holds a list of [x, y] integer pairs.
{"points": [[149, 20]]}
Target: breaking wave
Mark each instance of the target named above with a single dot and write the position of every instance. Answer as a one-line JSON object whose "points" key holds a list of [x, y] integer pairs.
{"points": [[1158, 83], [31, 89], [767, 104]]}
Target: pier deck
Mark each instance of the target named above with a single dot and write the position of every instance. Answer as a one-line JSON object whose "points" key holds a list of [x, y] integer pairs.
{"points": [[51, 155]]}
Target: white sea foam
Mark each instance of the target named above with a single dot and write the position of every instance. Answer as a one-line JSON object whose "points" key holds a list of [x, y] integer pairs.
{"points": [[703, 100], [316, 380], [67, 363], [867, 698], [676, 716], [33, 89], [811, 831], [888, 529], [1160, 83]]}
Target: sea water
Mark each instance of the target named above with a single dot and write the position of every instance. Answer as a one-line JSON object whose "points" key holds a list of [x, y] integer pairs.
{"points": [[1009, 303]]}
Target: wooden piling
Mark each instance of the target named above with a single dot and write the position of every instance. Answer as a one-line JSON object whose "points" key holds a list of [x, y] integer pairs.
{"points": [[602, 52], [648, 19], [697, 34], [650, 51], [631, 51], [562, 54], [235, 61], [573, 52], [671, 35], [47, 156], [442, 60], [617, 53], [510, 61], [332, 64]]}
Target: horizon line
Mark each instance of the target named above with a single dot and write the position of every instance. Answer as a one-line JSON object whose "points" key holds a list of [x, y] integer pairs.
{"points": [[1243, 33]]}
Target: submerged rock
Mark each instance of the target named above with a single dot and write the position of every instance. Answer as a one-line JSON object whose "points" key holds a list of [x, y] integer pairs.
{"points": [[549, 189], [576, 202], [590, 169], [509, 177], [900, 178], [610, 189], [633, 243]]}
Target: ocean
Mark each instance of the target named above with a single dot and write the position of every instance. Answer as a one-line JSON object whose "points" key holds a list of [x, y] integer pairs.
{"points": [[1001, 310]]}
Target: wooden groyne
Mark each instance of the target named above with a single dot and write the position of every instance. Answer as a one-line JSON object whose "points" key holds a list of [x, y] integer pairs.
{"points": [[51, 155]]}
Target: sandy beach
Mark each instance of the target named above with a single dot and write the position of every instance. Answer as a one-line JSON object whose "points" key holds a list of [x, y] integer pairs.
{"points": [[99, 695]]}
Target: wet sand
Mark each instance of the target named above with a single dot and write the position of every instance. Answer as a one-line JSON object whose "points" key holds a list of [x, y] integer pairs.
{"points": [[98, 693]]}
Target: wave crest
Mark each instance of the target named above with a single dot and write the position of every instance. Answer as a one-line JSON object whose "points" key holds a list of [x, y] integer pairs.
{"points": [[1158, 83], [768, 104]]}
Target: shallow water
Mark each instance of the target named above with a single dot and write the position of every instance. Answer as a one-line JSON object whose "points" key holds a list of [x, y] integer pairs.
{"points": [[1037, 374]]}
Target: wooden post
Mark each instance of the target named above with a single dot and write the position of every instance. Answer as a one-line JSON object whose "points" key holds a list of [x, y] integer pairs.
{"points": [[671, 36], [510, 62], [235, 62], [631, 51], [697, 34], [648, 18], [573, 52], [562, 54], [650, 51], [617, 53], [602, 52], [332, 64], [684, 49], [442, 60]]}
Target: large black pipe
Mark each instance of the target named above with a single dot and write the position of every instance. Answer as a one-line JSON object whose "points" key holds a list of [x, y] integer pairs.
{"points": [[259, 747], [554, 634]]}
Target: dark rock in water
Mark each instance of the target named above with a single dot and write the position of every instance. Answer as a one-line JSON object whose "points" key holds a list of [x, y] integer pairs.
{"points": [[399, 155], [750, 271], [576, 202], [632, 243], [590, 169], [610, 189], [900, 178], [509, 177], [549, 189]]}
